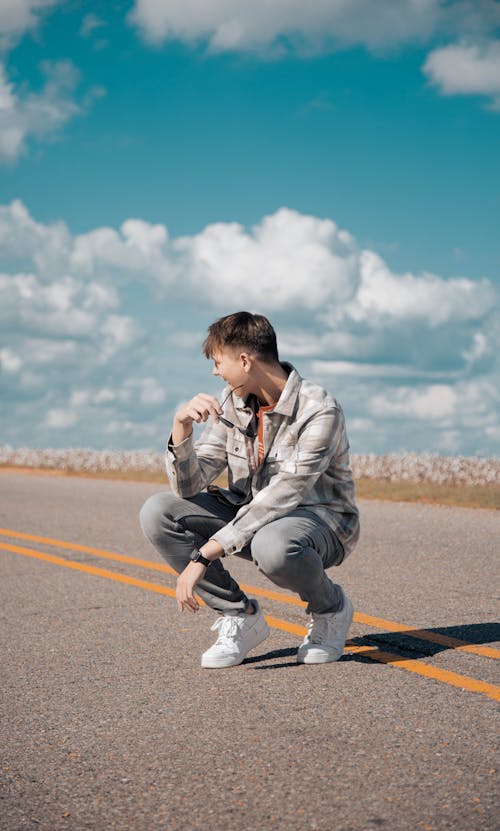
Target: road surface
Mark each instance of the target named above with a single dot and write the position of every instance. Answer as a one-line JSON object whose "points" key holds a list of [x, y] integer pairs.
{"points": [[109, 722]]}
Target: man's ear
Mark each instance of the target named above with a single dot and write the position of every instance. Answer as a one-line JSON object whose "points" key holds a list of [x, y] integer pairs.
{"points": [[246, 361]]}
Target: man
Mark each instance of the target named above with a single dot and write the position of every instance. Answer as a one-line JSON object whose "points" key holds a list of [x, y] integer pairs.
{"points": [[289, 505]]}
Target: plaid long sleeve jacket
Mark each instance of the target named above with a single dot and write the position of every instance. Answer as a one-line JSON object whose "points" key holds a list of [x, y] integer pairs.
{"points": [[306, 464]]}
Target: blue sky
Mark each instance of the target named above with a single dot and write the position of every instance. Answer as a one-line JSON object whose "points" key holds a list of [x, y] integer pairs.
{"points": [[163, 163]]}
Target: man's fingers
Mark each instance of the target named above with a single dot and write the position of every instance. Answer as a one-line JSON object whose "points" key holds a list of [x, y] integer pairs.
{"points": [[200, 408], [197, 414], [200, 411], [209, 399], [210, 404], [187, 601], [186, 583], [191, 607]]}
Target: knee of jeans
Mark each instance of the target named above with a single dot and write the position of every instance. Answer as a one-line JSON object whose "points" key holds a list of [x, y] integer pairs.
{"points": [[154, 512], [271, 552]]}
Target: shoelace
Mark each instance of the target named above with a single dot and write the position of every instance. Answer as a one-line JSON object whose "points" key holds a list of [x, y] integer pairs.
{"points": [[317, 629], [228, 627]]}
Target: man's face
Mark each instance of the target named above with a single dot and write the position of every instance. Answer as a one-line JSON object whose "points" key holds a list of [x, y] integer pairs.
{"points": [[229, 365]]}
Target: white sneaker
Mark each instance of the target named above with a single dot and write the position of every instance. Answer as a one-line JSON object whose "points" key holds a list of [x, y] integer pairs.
{"points": [[327, 636], [238, 634]]}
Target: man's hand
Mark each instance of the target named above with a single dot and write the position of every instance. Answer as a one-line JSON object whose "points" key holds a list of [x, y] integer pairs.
{"points": [[198, 409], [192, 574], [187, 580]]}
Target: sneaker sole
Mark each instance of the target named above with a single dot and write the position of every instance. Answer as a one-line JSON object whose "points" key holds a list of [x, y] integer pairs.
{"points": [[325, 657], [319, 658], [234, 661]]}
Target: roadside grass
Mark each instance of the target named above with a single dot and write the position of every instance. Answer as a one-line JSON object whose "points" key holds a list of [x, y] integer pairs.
{"points": [[465, 496]]}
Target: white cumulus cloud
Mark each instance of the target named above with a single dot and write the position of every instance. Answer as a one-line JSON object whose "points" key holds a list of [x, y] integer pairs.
{"points": [[434, 402], [274, 28], [466, 69], [29, 243], [19, 16], [138, 248], [10, 360], [35, 308], [90, 23], [427, 296], [288, 260], [59, 419], [25, 115], [261, 25], [90, 347]]}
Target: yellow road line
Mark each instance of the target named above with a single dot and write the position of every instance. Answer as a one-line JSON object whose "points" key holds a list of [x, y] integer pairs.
{"points": [[275, 622], [87, 549], [444, 676], [98, 572], [280, 597], [424, 635]]}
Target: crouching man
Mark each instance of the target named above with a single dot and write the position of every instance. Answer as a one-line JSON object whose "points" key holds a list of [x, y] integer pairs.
{"points": [[289, 506]]}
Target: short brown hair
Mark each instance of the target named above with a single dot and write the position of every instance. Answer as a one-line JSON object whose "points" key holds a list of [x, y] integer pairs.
{"points": [[242, 330]]}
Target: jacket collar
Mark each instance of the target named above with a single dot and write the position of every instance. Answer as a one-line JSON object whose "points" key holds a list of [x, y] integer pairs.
{"points": [[287, 400]]}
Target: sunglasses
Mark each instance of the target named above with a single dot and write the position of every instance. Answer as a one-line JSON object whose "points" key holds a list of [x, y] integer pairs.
{"points": [[249, 432]]}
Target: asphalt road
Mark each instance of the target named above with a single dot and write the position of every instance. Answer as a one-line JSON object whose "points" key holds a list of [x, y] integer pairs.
{"points": [[109, 722]]}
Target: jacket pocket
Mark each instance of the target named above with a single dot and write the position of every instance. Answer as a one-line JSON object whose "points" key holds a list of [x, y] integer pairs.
{"points": [[282, 459], [237, 465]]}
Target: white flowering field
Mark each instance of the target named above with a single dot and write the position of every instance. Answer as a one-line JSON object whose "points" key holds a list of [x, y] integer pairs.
{"points": [[409, 467]]}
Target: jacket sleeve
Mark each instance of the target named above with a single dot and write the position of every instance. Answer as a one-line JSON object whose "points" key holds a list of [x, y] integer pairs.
{"points": [[319, 441], [191, 466]]}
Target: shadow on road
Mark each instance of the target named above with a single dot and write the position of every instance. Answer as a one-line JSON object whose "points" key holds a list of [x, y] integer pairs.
{"points": [[270, 656], [420, 643], [415, 643]]}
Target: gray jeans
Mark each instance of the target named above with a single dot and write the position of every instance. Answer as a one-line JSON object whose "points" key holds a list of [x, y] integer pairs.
{"points": [[292, 552]]}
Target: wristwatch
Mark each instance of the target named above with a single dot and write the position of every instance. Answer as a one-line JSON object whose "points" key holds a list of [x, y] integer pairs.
{"points": [[197, 557]]}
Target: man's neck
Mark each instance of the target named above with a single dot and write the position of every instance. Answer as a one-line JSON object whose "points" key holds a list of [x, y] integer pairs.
{"points": [[269, 384]]}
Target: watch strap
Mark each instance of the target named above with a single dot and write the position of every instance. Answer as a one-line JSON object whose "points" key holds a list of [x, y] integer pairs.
{"points": [[197, 557]]}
